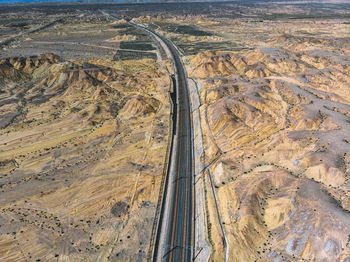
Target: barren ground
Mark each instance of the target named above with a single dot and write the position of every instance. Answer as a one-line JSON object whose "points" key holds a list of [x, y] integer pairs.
{"points": [[83, 142], [84, 122]]}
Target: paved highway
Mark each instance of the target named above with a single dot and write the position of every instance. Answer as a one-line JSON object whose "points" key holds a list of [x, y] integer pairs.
{"points": [[174, 237], [179, 223]]}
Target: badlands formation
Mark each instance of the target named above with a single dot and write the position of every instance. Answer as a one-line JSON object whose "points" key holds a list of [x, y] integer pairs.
{"points": [[83, 143], [85, 121], [82, 153], [276, 130]]}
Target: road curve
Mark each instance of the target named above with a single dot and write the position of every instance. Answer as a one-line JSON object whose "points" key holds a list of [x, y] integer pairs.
{"points": [[175, 233], [178, 223]]}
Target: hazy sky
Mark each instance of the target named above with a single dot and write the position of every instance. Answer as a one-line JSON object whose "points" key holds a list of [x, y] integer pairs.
{"points": [[29, 1]]}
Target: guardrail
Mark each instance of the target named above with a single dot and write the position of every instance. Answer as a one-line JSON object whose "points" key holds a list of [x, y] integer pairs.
{"points": [[165, 179], [159, 221]]}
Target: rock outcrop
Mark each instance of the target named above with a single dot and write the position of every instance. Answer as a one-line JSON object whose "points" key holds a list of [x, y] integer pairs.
{"points": [[276, 124]]}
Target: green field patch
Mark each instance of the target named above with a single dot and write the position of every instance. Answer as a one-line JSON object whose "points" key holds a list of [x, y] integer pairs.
{"points": [[196, 47], [135, 45], [123, 55], [140, 34], [122, 26], [182, 29]]}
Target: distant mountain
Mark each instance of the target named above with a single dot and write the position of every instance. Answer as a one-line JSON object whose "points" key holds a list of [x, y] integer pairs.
{"points": [[145, 1]]}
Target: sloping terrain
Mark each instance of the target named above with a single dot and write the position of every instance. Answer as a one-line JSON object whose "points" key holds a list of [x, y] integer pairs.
{"points": [[84, 121], [82, 151], [276, 127], [83, 138]]}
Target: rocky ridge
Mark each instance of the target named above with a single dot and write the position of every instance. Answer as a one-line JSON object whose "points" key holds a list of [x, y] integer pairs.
{"points": [[275, 123]]}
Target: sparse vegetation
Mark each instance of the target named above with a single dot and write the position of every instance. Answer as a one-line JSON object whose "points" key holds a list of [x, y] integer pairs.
{"points": [[123, 55], [142, 46]]}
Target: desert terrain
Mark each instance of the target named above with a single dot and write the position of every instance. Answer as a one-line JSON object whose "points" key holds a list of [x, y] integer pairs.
{"points": [[275, 123], [85, 124], [83, 143]]}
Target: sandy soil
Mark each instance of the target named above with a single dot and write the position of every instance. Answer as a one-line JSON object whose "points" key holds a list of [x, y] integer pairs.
{"points": [[83, 138], [276, 132], [83, 145]]}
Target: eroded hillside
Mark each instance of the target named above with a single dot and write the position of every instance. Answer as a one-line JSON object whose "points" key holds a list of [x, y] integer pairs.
{"points": [[83, 144], [275, 123], [82, 151], [84, 127]]}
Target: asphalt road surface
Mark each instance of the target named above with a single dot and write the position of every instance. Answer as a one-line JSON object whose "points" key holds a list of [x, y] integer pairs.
{"points": [[179, 239], [180, 233], [178, 226]]}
